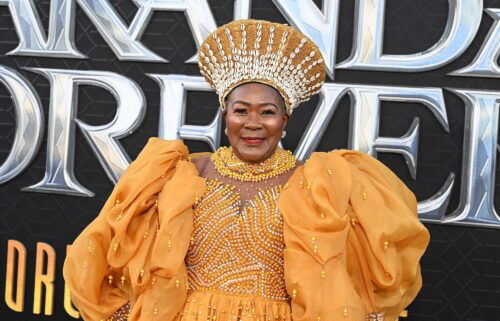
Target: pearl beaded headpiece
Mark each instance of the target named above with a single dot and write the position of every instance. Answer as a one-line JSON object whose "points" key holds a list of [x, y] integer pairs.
{"points": [[249, 51]]}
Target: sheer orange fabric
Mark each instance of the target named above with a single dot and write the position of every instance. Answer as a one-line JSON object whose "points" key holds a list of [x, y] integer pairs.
{"points": [[353, 240], [137, 241]]}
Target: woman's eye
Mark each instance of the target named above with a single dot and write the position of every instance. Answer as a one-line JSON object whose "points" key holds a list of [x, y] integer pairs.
{"points": [[268, 112], [240, 111]]}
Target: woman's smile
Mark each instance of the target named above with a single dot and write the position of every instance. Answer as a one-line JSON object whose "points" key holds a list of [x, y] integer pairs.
{"points": [[252, 141]]}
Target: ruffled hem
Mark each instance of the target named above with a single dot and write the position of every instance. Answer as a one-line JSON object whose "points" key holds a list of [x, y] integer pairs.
{"points": [[209, 305]]}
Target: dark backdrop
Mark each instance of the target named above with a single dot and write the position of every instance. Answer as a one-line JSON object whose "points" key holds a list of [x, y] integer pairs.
{"points": [[461, 268]]}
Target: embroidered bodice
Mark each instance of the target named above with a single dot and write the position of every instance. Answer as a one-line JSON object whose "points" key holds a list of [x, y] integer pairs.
{"points": [[235, 249]]}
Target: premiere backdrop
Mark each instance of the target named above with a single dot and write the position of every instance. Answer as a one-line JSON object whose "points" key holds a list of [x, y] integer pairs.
{"points": [[456, 135]]}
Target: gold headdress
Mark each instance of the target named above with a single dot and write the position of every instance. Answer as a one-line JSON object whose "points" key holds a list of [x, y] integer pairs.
{"points": [[261, 51]]}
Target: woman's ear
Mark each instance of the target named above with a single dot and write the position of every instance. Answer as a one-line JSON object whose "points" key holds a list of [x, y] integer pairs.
{"points": [[286, 118]]}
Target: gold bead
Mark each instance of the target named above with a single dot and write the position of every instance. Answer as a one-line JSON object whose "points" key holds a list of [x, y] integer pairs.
{"points": [[323, 274], [141, 273], [294, 293], [229, 165], [386, 245], [110, 279], [177, 283], [345, 311], [322, 215], [122, 280]]}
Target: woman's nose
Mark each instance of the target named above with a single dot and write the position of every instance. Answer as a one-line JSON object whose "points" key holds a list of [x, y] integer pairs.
{"points": [[253, 121]]}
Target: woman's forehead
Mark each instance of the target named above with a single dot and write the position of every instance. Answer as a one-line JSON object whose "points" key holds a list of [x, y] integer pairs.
{"points": [[255, 93]]}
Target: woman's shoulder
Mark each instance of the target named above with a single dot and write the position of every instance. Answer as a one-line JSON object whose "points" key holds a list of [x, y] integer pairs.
{"points": [[200, 160]]}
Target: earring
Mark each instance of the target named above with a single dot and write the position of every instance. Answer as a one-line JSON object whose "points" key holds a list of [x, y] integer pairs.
{"points": [[283, 134], [225, 131]]}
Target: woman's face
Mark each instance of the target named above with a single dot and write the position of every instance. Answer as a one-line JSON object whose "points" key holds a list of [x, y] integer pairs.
{"points": [[255, 119]]}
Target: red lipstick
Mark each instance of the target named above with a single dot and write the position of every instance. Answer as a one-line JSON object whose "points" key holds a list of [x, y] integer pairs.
{"points": [[252, 140]]}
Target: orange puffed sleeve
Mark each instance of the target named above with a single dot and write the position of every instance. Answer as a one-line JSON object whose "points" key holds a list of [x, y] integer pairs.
{"points": [[134, 249], [353, 239]]}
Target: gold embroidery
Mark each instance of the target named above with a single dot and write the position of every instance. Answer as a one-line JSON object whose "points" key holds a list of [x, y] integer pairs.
{"points": [[234, 250]]}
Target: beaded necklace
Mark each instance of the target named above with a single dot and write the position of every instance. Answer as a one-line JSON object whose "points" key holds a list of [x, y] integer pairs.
{"points": [[228, 164]]}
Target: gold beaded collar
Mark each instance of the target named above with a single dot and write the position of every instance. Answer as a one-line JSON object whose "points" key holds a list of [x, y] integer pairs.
{"points": [[228, 164]]}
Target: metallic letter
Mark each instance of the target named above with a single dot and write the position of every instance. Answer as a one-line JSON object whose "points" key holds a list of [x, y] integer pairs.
{"points": [[330, 96], [103, 139], [124, 41], [29, 124], [173, 90], [320, 25], [13, 248], [47, 279], [367, 54], [479, 160], [485, 63], [29, 28]]}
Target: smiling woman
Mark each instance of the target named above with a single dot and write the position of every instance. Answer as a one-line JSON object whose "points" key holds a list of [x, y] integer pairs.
{"points": [[248, 233]]}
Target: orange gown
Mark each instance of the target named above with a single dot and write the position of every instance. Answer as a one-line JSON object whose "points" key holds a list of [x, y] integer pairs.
{"points": [[351, 244]]}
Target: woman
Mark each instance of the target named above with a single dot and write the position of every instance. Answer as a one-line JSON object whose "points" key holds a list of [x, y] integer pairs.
{"points": [[248, 233]]}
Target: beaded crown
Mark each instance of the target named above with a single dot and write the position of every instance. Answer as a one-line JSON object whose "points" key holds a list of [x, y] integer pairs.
{"points": [[275, 54]]}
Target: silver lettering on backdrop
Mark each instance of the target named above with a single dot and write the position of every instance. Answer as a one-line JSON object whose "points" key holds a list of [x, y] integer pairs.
{"points": [[330, 95], [124, 41], [173, 91], [32, 39], [479, 159], [29, 124], [463, 22], [103, 139], [485, 63], [364, 127], [304, 15], [479, 155]]}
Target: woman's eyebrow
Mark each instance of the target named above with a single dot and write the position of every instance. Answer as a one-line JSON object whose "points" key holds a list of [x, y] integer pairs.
{"points": [[241, 102], [265, 104], [260, 105]]}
